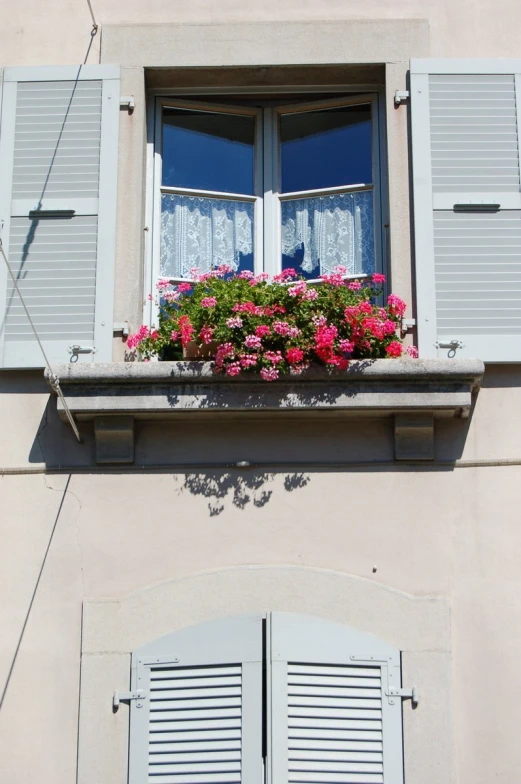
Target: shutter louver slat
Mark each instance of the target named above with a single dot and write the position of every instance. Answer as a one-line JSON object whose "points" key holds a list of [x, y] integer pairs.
{"points": [[50, 289], [335, 758], [476, 117], [45, 127], [174, 694]]}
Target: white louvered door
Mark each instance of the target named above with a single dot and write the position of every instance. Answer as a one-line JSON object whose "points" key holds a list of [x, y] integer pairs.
{"points": [[58, 153], [201, 719], [467, 204], [331, 721]]}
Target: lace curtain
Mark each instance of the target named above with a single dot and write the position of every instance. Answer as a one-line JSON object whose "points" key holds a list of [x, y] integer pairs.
{"points": [[203, 233], [330, 230]]}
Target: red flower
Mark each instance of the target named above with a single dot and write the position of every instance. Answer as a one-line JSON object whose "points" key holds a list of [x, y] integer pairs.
{"points": [[394, 349]]}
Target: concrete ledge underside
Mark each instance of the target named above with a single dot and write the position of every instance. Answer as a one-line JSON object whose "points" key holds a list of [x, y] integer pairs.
{"points": [[190, 389]]}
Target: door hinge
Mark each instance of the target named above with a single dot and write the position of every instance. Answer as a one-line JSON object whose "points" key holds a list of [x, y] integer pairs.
{"points": [[126, 696], [404, 694]]}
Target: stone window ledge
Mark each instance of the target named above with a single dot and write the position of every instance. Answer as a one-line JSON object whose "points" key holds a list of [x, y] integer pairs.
{"points": [[415, 392]]}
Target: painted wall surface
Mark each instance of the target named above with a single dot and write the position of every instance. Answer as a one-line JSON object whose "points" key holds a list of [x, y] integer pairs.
{"points": [[97, 562], [58, 32]]}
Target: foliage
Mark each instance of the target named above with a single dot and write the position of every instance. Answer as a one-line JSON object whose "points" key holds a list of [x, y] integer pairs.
{"points": [[274, 326]]}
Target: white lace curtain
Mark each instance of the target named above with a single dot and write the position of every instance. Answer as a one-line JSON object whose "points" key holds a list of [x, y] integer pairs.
{"points": [[203, 233], [325, 231], [331, 231]]}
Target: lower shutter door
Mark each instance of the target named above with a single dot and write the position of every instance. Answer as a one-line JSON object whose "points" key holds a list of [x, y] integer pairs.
{"points": [[330, 718]]}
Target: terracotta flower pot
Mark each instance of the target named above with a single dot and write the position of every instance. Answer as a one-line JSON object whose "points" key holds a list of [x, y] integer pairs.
{"points": [[194, 350]]}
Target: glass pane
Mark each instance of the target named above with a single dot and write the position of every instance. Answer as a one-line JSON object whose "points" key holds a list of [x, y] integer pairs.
{"points": [[205, 233], [208, 151], [325, 148], [323, 232]]}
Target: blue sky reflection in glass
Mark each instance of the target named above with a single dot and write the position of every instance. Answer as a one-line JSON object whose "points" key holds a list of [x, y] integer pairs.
{"points": [[326, 148], [208, 151], [321, 149]]}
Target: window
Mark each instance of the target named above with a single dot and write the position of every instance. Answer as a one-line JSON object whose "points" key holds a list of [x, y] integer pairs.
{"points": [[265, 185], [272, 698]]}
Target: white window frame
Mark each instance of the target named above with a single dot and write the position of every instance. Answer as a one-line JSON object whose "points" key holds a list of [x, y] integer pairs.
{"points": [[267, 196]]}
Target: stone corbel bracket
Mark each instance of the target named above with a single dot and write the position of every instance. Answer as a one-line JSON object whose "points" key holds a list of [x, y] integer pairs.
{"points": [[414, 392]]}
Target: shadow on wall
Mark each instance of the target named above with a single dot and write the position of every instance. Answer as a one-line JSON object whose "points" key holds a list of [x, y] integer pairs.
{"points": [[244, 489]]}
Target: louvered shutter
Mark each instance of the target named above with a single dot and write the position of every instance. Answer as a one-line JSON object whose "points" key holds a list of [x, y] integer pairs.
{"points": [[58, 158], [467, 207], [331, 719], [200, 721]]}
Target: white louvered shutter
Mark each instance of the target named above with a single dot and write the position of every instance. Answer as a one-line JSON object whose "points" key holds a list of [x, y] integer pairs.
{"points": [[201, 719], [331, 719], [467, 207], [58, 158]]}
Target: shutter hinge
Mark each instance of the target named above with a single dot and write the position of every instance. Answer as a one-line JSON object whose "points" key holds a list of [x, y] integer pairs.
{"points": [[127, 102], [121, 326], [401, 96], [404, 694], [126, 696]]}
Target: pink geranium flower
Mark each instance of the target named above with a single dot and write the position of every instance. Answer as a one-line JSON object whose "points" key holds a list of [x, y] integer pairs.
{"points": [[252, 341], [394, 349], [396, 305], [208, 302], [235, 322], [294, 355], [269, 374]]}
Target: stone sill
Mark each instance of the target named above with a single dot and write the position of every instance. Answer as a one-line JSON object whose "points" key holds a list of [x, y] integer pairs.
{"points": [[150, 390], [414, 392]]}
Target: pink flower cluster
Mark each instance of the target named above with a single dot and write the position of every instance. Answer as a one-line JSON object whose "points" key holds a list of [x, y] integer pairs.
{"points": [[284, 329], [276, 327], [133, 341]]}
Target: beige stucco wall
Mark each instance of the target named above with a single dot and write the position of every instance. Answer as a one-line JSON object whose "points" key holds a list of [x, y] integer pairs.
{"points": [[425, 557], [136, 553], [59, 32]]}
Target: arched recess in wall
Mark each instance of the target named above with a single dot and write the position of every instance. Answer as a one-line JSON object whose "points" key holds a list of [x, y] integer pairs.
{"points": [[113, 628], [302, 698]]}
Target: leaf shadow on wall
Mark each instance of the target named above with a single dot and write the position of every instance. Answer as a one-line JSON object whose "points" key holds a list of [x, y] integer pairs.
{"points": [[243, 489]]}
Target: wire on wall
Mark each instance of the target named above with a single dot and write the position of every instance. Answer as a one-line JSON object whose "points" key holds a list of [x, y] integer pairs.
{"points": [[94, 23]]}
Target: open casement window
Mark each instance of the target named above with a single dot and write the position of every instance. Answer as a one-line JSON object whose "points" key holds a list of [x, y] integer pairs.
{"points": [[281, 699], [262, 186], [58, 158], [467, 207]]}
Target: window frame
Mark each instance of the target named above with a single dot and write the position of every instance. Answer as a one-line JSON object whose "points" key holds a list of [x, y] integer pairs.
{"points": [[267, 240]]}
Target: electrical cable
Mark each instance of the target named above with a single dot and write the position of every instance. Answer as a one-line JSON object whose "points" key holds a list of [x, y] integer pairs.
{"points": [[53, 378]]}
